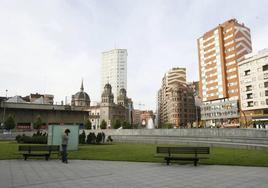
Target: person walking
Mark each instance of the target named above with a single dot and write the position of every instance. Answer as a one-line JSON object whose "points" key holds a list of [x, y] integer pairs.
{"points": [[64, 144]]}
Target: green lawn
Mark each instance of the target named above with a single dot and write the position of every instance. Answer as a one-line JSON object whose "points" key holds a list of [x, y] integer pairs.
{"points": [[146, 152]]}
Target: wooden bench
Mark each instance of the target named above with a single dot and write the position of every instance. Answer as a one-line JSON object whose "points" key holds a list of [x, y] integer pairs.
{"points": [[183, 153], [38, 151]]}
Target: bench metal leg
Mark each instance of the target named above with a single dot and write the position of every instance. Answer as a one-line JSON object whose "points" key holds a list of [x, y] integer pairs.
{"points": [[47, 156], [195, 162], [168, 161]]}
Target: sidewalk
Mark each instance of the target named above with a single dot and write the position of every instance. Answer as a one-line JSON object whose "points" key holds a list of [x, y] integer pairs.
{"points": [[102, 174]]}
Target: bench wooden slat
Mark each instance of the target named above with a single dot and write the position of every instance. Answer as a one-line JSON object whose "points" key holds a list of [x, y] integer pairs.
{"points": [[39, 150], [172, 153], [183, 150], [24, 148]]}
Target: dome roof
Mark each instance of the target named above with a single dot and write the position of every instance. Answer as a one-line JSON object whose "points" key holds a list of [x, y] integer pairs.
{"points": [[107, 90], [107, 86], [81, 95], [123, 92]]}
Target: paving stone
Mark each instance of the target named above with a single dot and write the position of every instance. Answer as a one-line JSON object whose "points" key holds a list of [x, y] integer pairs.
{"points": [[90, 173]]}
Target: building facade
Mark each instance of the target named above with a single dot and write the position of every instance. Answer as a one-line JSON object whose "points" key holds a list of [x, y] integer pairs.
{"points": [[172, 77], [195, 86], [219, 51], [181, 110], [253, 76], [137, 117], [94, 116], [145, 116], [114, 70], [176, 104], [109, 111], [26, 113], [39, 98]]}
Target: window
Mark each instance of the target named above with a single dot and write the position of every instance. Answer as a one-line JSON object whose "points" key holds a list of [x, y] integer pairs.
{"points": [[249, 88], [266, 93], [266, 84], [249, 96], [265, 67], [250, 104], [265, 111], [247, 72]]}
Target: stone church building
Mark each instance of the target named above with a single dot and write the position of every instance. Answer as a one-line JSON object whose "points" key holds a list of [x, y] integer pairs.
{"points": [[107, 109]]}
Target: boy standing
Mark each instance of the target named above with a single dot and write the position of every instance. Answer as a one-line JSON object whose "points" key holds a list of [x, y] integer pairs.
{"points": [[64, 144]]}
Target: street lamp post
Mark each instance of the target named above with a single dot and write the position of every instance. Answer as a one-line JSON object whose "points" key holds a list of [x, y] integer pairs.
{"points": [[4, 113], [196, 116]]}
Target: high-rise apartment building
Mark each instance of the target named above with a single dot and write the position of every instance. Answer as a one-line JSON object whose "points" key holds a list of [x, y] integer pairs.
{"points": [[114, 70], [175, 99], [173, 76], [219, 51]]}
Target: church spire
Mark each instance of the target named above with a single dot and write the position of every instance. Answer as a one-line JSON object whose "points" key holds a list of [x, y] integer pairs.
{"points": [[82, 86]]}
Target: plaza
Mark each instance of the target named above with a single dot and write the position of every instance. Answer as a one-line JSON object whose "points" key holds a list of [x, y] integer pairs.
{"points": [[92, 173]]}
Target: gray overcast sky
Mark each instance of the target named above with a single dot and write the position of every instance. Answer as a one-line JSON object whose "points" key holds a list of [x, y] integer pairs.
{"points": [[49, 46]]}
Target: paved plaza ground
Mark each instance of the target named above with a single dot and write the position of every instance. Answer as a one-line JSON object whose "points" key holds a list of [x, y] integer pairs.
{"points": [[102, 174]]}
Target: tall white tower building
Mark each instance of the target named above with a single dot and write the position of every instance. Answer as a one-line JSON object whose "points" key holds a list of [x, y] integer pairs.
{"points": [[114, 70]]}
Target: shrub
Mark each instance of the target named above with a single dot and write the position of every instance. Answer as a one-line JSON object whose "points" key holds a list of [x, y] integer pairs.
{"points": [[99, 138], [103, 137], [38, 123], [116, 124], [34, 139], [18, 138], [167, 126], [82, 138], [109, 139], [10, 123], [37, 138], [88, 124], [91, 138], [38, 133], [103, 124], [126, 125]]}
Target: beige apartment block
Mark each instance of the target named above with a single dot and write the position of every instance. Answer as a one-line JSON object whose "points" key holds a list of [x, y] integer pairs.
{"points": [[253, 76], [175, 99], [219, 51], [181, 109], [173, 76]]}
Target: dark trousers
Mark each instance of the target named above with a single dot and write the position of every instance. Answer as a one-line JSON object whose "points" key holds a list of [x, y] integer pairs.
{"points": [[64, 153]]}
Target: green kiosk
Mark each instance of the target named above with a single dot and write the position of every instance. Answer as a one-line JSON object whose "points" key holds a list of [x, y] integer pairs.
{"points": [[55, 133]]}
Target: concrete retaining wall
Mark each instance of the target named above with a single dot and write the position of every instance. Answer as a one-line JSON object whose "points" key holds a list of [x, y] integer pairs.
{"points": [[243, 133], [13, 135], [238, 138]]}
